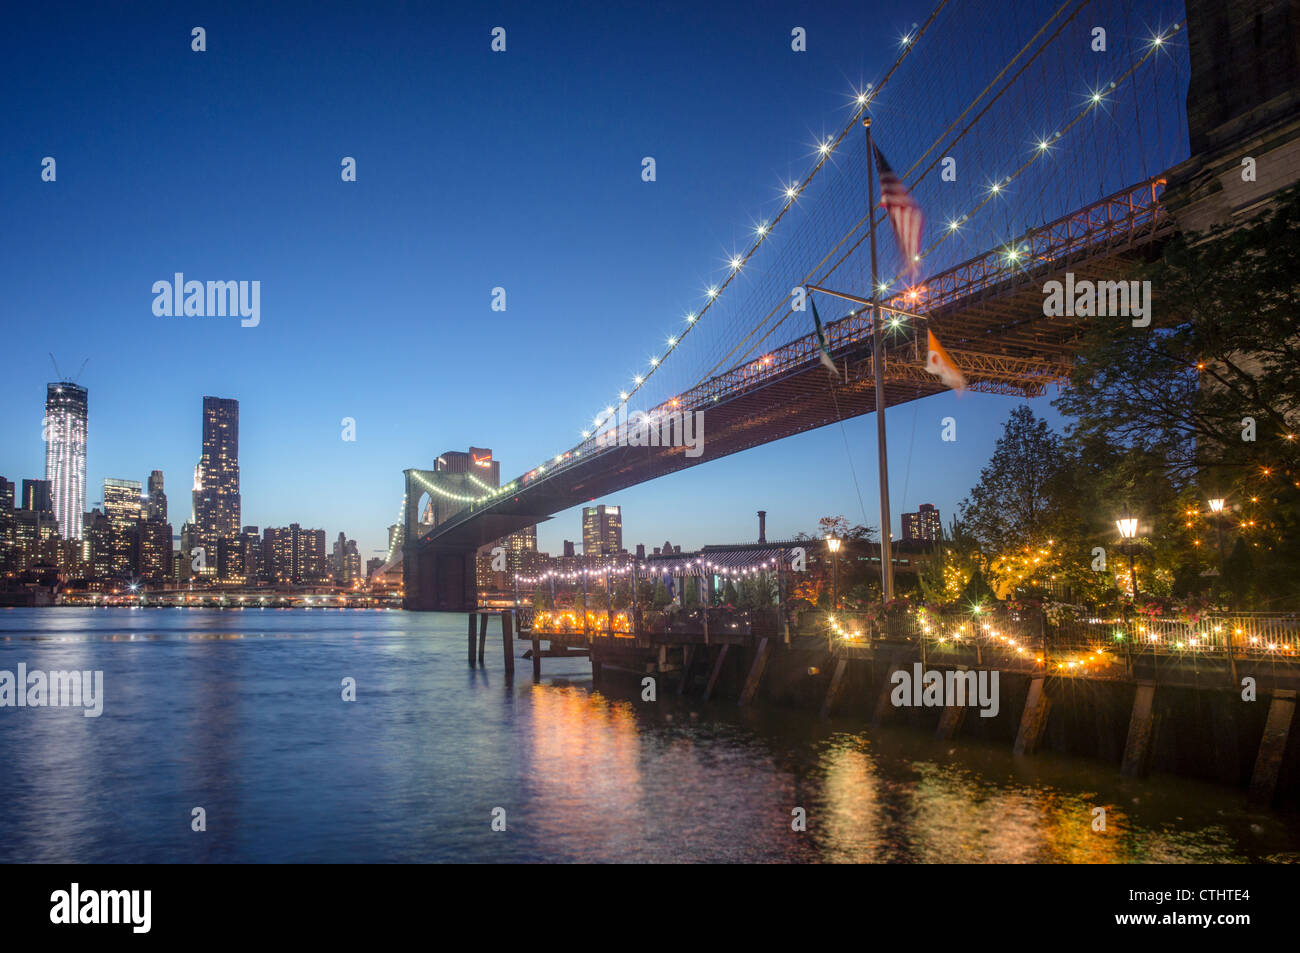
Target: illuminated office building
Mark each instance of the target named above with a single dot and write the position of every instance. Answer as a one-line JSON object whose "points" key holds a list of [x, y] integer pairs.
{"points": [[66, 414]]}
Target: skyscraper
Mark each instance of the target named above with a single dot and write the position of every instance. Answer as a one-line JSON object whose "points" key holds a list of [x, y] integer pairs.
{"points": [[38, 495], [216, 478], [7, 549], [123, 509], [156, 507], [66, 415], [602, 530], [922, 526]]}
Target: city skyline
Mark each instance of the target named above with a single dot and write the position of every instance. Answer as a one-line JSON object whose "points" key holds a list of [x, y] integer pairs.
{"points": [[349, 305], [552, 533]]}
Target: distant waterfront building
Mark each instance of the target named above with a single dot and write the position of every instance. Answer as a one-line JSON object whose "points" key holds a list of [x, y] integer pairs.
{"points": [[239, 557], [7, 546], [294, 556], [155, 551], [156, 507], [923, 525], [35, 539], [188, 556], [216, 478], [66, 416], [122, 502], [522, 541], [38, 495], [101, 547], [346, 561], [123, 508], [602, 530]]}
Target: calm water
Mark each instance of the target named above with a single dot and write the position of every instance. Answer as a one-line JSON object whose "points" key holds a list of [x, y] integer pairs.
{"points": [[240, 712]]}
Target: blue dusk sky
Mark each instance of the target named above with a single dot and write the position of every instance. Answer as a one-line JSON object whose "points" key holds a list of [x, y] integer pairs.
{"points": [[475, 170]]}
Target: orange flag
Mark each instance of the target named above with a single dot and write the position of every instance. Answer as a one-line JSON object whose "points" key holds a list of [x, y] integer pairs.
{"points": [[942, 366]]}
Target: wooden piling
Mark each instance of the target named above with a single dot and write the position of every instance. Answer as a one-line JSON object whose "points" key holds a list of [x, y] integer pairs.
{"points": [[755, 673], [508, 641], [688, 668], [837, 682], [1034, 719], [537, 656], [717, 671], [950, 722], [1137, 747], [482, 635], [1272, 748], [472, 617], [884, 701]]}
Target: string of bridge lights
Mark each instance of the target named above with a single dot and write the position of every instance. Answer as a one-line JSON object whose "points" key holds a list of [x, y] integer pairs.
{"points": [[791, 191], [1095, 99], [686, 568], [490, 494]]}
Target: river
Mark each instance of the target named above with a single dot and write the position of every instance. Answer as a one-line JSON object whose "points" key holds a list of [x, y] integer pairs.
{"points": [[240, 713]]}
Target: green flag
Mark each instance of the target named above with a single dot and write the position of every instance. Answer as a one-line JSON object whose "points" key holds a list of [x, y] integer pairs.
{"points": [[821, 341]]}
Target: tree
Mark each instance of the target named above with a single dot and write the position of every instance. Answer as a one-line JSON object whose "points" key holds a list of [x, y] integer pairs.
{"points": [[691, 592], [661, 597], [1205, 402], [1225, 348], [956, 557], [1011, 504]]}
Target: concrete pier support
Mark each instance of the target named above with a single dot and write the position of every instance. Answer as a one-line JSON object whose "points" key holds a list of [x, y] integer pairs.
{"points": [[755, 673], [1137, 748], [508, 641], [1272, 748], [837, 684], [1034, 719]]}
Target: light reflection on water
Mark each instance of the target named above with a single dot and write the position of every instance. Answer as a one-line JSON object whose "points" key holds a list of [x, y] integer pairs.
{"points": [[240, 713]]}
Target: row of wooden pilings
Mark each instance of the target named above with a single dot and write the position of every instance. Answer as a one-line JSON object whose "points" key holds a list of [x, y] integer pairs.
{"points": [[1033, 720], [1138, 745]]}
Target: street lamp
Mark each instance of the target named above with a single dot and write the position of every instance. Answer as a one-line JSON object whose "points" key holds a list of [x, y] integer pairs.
{"points": [[833, 544], [1128, 527], [1216, 507]]}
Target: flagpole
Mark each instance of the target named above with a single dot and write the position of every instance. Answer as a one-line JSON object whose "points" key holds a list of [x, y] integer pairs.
{"points": [[878, 369]]}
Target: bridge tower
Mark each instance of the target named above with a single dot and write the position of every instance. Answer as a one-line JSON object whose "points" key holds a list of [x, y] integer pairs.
{"points": [[1243, 101], [435, 578]]}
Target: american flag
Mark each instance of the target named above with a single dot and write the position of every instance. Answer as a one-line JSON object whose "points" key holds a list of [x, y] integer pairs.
{"points": [[904, 213]]}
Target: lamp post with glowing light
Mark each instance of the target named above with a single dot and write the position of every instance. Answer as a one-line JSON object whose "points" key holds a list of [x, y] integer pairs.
{"points": [[1216, 507], [1128, 527], [833, 544]]}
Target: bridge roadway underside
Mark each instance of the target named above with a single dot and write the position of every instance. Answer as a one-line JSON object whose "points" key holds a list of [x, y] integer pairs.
{"points": [[998, 335]]}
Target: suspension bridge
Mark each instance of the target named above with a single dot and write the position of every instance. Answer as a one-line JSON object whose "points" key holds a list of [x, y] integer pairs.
{"points": [[1046, 149]]}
